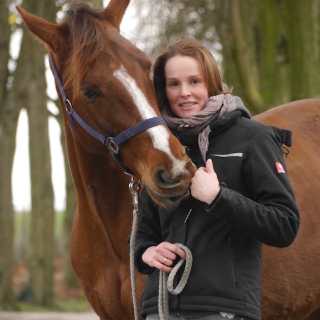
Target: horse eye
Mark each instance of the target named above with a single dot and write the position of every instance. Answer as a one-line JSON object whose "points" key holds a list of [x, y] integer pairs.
{"points": [[92, 93]]}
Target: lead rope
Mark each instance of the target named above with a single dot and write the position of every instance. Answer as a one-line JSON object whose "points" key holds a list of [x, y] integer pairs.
{"points": [[165, 281], [134, 188]]}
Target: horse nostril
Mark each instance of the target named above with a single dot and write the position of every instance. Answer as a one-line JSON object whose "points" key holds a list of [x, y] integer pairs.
{"points": [[165, 180]]}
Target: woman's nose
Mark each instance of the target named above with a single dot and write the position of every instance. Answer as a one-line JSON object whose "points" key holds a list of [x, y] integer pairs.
{"points": [[185, 90]]}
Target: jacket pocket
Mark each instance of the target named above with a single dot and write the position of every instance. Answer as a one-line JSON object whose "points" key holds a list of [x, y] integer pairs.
{"points": [[228, 167]]}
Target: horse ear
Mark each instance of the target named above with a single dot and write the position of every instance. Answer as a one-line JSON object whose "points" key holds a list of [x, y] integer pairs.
{"points": [[46, 31], [114, 12]]}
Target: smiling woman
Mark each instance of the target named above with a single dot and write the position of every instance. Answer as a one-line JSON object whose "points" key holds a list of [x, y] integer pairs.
{"points": [[238, 201]]}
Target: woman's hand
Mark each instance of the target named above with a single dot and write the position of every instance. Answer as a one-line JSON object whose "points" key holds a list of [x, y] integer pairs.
{"points": [[162, 255], [205, 184]]}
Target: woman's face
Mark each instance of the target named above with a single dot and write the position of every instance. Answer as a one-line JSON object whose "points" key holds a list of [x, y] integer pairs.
{"points": [[186, 90]]}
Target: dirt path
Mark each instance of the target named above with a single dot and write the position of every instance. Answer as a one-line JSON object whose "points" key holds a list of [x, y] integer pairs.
{"points": [[47, 316]]}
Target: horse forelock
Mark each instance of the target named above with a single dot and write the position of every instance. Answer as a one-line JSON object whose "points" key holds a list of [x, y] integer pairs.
{"points": [[88, 40], [86, 43]]}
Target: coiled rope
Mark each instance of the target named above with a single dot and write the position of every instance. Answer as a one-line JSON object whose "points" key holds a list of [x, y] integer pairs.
{"points": [[166, 282]]}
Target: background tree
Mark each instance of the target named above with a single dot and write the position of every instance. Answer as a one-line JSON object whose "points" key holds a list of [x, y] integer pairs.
{"points": [[9, 112], [41, 246]]}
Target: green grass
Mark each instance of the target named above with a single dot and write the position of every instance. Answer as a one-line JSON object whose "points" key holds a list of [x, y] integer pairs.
{"points": [[65, 305]]}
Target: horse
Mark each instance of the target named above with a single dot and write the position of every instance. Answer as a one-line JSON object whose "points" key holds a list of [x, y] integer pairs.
{"points": [[104, 85], [290, 276], [101, 72]]}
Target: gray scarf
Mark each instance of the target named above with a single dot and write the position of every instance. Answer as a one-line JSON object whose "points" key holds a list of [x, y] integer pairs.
{"points": [[217, 107]]}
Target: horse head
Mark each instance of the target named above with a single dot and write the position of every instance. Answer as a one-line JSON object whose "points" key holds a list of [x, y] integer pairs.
{"points": [[106, 79]]}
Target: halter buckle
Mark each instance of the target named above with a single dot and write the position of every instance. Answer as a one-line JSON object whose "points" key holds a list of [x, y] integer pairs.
{"points": [[68, 105], [135, 187], [112, 145]]}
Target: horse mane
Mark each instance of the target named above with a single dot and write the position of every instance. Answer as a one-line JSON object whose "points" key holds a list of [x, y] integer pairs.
{"points": [[87, 41]]}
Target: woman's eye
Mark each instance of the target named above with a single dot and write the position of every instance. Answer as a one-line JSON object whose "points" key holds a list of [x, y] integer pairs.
{"points": [[195, 81], [92, 93], [172, 84]]}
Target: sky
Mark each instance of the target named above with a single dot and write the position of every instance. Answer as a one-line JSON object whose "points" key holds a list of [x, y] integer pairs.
{"points": [[21, 165]]}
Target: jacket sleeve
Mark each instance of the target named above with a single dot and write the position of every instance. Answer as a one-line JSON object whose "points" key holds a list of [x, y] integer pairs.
{"points": [[148, 231], [269, 212]]}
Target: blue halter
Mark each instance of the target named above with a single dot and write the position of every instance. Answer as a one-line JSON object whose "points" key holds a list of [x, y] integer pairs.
{"points": [[111, 142]]}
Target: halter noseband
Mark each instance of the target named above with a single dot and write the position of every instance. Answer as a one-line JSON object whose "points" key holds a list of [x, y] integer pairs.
{"points": [[111, 142]]}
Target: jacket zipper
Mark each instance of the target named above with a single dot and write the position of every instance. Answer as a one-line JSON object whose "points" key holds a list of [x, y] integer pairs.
{"points": [[186, 225], [178, 311], [187, 217]]}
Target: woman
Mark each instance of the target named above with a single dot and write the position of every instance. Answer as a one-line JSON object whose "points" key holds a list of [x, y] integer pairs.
{"points": [[241, 195]]}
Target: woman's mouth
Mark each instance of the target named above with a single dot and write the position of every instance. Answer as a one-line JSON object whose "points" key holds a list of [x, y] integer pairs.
{"points": [[187, 105]]}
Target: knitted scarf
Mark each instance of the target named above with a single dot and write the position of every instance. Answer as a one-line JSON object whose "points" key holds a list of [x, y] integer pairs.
{"points": [[217, 107]]}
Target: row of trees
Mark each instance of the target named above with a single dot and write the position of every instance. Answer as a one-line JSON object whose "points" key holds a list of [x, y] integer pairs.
{"points": [[269, 53]]}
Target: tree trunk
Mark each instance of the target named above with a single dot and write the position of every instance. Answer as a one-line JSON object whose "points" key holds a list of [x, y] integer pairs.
{"points": [[268, 40], [41, 256], [243, 57], [7, 146], [8, 121], [222, 20], [302, 22]]}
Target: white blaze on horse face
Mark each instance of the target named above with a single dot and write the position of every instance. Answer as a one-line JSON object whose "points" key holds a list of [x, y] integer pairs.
{"points": [[159, 134]]}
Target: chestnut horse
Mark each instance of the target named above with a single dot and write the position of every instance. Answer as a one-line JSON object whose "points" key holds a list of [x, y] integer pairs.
{"points": [[106, 79], [103, 82], [291, 276]]}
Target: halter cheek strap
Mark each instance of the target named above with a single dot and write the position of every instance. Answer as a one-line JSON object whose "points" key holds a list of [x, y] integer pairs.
{"points": [[111, 142]]}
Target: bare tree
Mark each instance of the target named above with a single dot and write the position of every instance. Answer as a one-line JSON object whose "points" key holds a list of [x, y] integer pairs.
{"points": [[41, 254], [8, 120]]}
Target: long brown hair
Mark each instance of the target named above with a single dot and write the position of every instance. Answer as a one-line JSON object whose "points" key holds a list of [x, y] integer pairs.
{"points": [[194, 49]]}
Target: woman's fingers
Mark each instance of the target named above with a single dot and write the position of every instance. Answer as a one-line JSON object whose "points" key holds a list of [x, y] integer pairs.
{"points": [[171, 250], [162, 267], [166, 253], [180, 252], [163, 255], [165, 261]]}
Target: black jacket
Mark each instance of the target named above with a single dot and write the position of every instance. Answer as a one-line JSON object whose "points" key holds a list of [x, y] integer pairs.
{"points": [[256, 205]]}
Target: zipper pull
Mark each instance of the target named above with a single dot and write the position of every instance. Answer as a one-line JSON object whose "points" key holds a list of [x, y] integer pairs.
{"points": [[187, 216]]}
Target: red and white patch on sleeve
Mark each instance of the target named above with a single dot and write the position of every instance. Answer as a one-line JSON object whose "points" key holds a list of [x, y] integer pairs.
{"points": [[279, 167]]}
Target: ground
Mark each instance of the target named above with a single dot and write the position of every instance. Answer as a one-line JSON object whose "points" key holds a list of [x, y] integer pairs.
{"points": [[47, 316], [69, 304]]}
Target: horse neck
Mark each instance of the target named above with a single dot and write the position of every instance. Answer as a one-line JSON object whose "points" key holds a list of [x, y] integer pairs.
{"points": [[103, 197]]}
